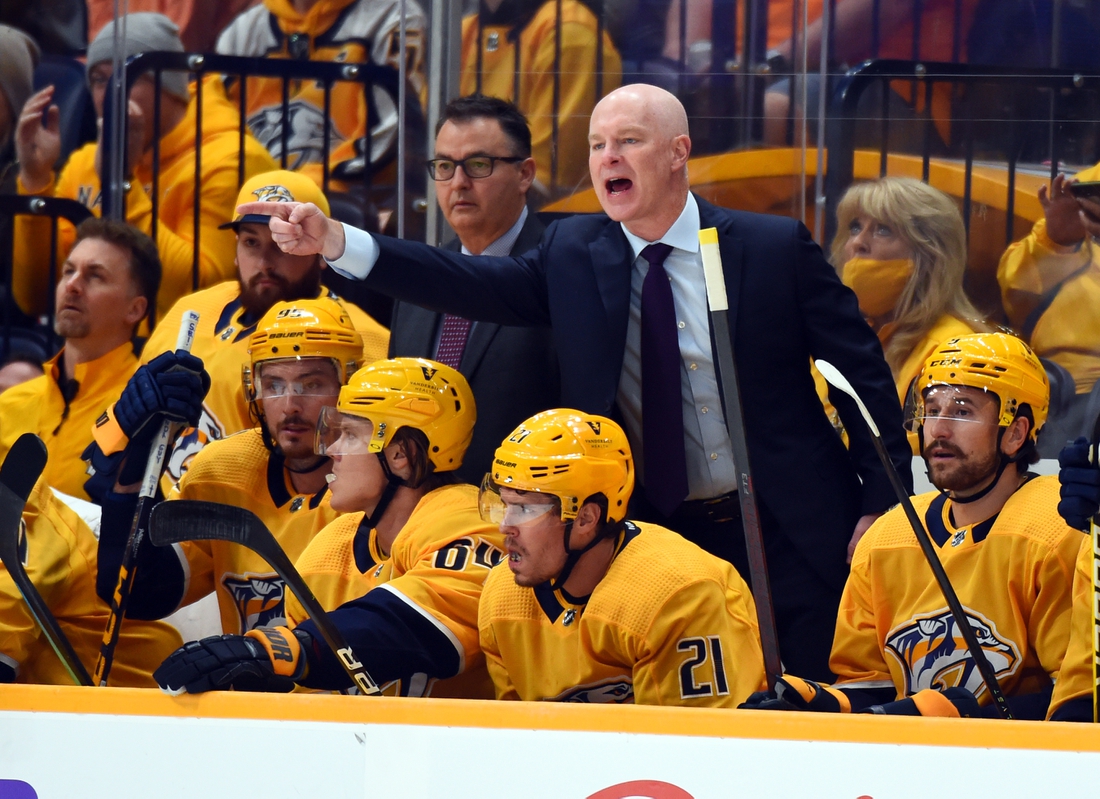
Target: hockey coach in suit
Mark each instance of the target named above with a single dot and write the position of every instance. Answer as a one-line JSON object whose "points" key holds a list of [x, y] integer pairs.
{"points": [[587, 279], [483, 170]]}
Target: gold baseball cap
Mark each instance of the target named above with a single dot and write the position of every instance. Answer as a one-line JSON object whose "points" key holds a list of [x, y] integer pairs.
{"points": [[280, 186]]}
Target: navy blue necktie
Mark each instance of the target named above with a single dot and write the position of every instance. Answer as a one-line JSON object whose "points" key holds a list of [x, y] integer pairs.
{"points": [[665, 475]]}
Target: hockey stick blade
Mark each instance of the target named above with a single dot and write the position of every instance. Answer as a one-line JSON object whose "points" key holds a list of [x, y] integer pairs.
{"points": [[24, 464], [833, 376], [195, 520]]}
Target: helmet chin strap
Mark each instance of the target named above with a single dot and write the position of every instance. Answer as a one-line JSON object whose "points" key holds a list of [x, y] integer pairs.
{"points": [[393, 482], [574, 555], [1005, 461]]}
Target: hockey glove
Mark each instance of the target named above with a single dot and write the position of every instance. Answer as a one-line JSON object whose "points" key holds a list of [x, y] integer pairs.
{"points": [[263, 659], [794, 693], [171, 386], [951, 703], [1080, 481]]}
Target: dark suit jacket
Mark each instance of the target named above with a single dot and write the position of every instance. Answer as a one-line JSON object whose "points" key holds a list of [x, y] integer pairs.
{"points": [[513, 371], [786, 305]]}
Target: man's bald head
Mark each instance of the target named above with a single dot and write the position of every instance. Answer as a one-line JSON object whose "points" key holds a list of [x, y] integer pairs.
{"points": [[638, 152], [660, 110]]}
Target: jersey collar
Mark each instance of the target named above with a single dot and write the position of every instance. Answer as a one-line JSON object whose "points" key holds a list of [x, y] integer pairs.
{"points": [[940, 526]]}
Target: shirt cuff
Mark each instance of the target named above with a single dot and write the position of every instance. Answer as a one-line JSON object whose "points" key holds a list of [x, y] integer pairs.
{"points": [[360, 254]]}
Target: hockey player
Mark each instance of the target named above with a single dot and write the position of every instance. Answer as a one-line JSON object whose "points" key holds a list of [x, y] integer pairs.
{"points": [[1073, 699], [981, 401], [58, 550], [401, 572], [300, 355], [598, 608], [228, 313]]}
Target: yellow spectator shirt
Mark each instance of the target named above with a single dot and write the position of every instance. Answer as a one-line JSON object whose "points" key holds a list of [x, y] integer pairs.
{"points": [[63, 422], [175, 230]]}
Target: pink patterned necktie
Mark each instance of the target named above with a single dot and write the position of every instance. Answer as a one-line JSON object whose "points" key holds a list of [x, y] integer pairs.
{"points": [[452, 340]]}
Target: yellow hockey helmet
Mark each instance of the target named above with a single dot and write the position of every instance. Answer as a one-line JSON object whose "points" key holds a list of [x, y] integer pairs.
{"points": [[999, 363], [414, 392], [570, 455], [297, 329]]}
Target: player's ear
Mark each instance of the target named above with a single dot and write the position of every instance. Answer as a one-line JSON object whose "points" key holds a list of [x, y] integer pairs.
{"points": [[1015, 435], [587, 523]]}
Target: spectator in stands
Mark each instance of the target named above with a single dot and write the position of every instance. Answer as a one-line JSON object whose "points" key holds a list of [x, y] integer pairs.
{"points": [[901, 247], [106, 288], [59, 554], [1050, 282], [38, 147], [512, 49], [200, 21], [483, 170], [351, 31], [228, 313], [995, 526], [18, 369], [18, 56], [300, 354], [26, 352]]}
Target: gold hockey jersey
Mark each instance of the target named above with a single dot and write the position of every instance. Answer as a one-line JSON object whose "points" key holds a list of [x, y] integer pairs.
{"points": [[1075, 676], [668, 624], [436, 565], [240, 471], [58, 551], [1013, 574]]}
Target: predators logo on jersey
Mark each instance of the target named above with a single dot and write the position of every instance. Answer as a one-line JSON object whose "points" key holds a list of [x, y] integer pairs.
{"points": [[932, 653], [612, 691], [258, 599], [305, 137]]}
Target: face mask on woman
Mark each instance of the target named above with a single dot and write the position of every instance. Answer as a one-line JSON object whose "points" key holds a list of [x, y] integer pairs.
{"points": [[877, 284]]}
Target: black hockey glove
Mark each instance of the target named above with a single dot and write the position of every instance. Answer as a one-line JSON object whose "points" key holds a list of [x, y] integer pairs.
{"points": [[952, 703], [794, 693], [265, 659], [1080, 485]]}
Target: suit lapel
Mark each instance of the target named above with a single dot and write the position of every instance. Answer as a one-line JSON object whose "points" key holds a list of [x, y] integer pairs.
{"points": [[611, 263]]}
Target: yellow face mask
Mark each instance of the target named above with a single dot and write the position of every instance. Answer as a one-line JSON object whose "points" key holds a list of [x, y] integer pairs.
{"points": [[877, 284]]}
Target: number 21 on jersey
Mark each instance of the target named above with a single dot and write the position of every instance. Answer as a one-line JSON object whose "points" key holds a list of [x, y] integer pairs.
{"points": [[703, 671]]}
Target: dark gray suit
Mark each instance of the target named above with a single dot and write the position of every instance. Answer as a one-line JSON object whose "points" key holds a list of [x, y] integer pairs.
{"points": [[513, 371]]}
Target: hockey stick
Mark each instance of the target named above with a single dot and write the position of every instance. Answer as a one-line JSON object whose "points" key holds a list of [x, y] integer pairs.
{"points": [[1094, 529], [833, 376], [196, 520], [718, 303], [24, 464], [153, 469]]}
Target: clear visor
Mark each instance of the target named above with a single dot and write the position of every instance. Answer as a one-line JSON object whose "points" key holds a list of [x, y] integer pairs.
{"points": [[315, 383], [948, 405], [495, 510], [342, 434]]}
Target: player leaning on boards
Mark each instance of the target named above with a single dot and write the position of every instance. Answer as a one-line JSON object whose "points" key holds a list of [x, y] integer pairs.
{"points": [[401, 571], [598, 608], [981, 401], [300, 355]]}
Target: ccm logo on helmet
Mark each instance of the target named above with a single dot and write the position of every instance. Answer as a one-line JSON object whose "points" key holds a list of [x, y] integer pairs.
{"points": [[946, 362]]}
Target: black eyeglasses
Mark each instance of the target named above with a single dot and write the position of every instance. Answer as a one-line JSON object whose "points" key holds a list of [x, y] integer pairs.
{"points": [[476, 166]]}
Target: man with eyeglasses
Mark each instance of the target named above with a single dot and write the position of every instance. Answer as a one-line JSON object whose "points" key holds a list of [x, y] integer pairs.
{"points": [[300, 355], [980, 403], [483, 170]]}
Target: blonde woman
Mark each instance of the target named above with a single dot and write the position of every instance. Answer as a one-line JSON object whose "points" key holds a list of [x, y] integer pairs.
{"points": [[901, 247]]}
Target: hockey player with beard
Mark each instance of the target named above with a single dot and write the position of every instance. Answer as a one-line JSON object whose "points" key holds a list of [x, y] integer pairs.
{"points": [[400, 572], [980, 403], [300, 355], [228, 313]]}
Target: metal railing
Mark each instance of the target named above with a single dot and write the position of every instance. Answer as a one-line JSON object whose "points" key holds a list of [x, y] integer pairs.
{"points": [[326, 74], [55, 209]]}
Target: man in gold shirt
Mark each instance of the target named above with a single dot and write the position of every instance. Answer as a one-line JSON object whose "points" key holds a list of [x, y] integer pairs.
{"points": [[38, 147], [106, 287]]}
